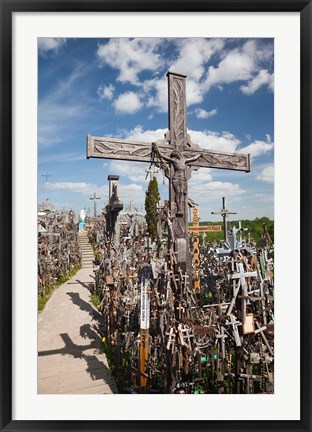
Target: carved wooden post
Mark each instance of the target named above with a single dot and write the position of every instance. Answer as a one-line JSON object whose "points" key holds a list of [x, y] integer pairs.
{"points": [[144, 322], [178, 140]]}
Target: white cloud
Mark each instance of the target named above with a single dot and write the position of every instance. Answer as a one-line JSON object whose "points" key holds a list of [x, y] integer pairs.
{"points": [[267, 174], [138, 134], [127, 103], [194, 53], [266, 198], [264, 78], [46, 44], [189, 56], [106, 92], [127, 192], [157, 92], [268, 137], [238, 64], [131, 192], [131, 188], [203, 114], [215, 190], [258, 147], [79, 187], [131, 56], [194, 92], [200, 176], [135, 171], [209, 140]]}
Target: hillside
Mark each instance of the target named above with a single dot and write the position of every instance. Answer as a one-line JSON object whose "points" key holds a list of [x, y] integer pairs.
{"points": [[254, 227]]}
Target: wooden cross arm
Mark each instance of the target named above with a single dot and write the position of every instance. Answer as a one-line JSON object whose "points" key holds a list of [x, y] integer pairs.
{"points": [[245, 275], [221, 160], [114, 148]]}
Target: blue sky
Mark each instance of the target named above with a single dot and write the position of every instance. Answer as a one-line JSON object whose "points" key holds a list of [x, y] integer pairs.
{"points": [[118, 87]]}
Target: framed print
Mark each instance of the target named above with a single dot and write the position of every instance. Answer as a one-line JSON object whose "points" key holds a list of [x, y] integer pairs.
{"points": [[126, 342]]}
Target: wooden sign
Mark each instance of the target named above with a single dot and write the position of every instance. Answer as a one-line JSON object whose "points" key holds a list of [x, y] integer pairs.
{"points": [[249, 325], [145, 307], [195, 217], [109, 280], [206, 228]]}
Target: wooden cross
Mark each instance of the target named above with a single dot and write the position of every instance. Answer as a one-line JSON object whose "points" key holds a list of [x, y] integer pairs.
{"points": [[221, 337], [243, 285], [180, 309], [151, 171], [94, 198], [197, 229], [178, 155], [234, 324], [224, 213]]}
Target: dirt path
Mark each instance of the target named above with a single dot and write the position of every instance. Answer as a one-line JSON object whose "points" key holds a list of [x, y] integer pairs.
{"points": [[69, 358]]}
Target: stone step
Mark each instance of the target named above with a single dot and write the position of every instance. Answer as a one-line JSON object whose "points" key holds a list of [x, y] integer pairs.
{"points": [[87, 254]]}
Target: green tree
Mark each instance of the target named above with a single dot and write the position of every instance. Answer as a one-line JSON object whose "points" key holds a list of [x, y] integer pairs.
{"points": [[151, 200]]}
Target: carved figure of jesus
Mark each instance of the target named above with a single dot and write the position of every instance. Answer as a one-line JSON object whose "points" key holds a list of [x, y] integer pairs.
{"points": [[179, 178]]}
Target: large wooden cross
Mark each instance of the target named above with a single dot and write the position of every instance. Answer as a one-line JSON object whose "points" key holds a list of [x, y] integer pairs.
{"points": [[178, 155]]}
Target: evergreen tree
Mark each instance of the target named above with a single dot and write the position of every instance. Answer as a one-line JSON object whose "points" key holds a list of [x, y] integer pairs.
{"points": [[151, 200]]}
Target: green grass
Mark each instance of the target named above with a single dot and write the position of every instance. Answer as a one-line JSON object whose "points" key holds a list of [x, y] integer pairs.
{"points": [[42, 300], [95, 300]]}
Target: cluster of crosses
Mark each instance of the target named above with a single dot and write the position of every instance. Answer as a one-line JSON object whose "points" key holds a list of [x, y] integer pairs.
{"points": [[178, 157]]}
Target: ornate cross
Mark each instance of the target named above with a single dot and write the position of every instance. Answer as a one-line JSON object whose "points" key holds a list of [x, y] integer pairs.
{"points": [[178, 155]]}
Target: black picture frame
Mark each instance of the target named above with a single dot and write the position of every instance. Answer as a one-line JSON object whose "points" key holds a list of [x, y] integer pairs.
{"points": [[8, 7]]}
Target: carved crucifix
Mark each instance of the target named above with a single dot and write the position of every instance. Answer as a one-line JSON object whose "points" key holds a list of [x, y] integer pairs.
{"points": [[178, 154]]}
